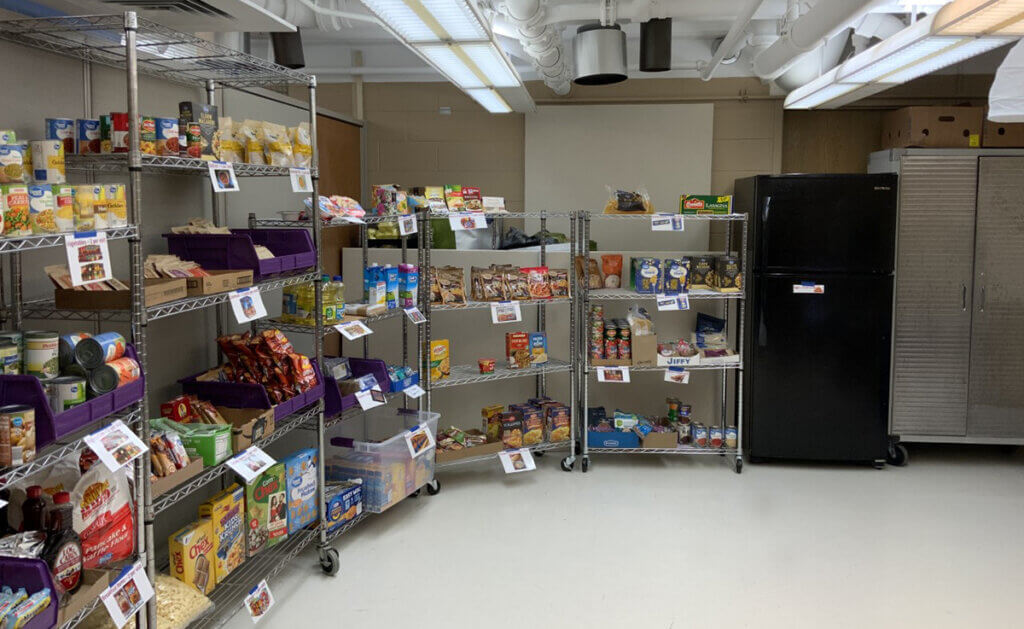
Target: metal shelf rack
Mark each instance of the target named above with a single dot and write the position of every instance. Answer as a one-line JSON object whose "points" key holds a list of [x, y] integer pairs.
{"points": [[42, 241], [539, 448], [729, 302], [165, 165], [462, 375]]}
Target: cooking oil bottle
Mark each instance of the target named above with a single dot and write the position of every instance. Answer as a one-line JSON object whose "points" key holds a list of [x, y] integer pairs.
{"points": [[327, 299]]}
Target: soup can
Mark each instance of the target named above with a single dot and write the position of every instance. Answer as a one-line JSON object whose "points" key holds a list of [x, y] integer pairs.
{"points": [[716, 437], [167, 136], [147, 135], [699, 434], [731, 437], [48, 161], [74, 369], [17, 434], [62, 129], [611, 348], [10, 358], [42, 354], [119, 132], [65, 392], [87, 136], [117, 373], [106, 146], [66, 347], [42, 216], [92, 352]]}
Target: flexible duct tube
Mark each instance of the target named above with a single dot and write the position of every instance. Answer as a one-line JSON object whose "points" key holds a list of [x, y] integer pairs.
{"points": [[541, 42]]}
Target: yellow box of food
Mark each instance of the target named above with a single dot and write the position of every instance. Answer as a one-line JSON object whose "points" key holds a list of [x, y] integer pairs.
{"points": [[191, 551], [226, 512], [440, 360]]}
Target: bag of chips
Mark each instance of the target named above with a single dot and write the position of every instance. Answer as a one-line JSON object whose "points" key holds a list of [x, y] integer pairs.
{"points": [[302, 145], [277, 147]]}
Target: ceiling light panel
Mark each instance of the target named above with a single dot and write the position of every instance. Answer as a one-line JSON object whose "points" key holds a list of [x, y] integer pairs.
{"points": [[489, 100], [457, 18], [406, 22], [875, 63], [444, 58], [493, 64], [962, 52], [979, 17]]}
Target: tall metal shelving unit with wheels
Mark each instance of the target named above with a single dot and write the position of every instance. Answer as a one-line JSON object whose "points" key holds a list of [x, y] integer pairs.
{"points": [[730, 302], [467, 374]]}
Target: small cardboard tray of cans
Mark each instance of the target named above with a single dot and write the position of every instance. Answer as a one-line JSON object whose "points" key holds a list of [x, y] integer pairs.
{"points": [[676, 428], [632, 341]]}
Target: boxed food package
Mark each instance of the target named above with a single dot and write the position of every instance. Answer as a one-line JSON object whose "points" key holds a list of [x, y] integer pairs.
{"points": [[677, 275], [533, 424], [558, 421], [205, 116], [440, 360], [344, 503], [226, 513], [453, 198], [517, 349], [266, 509], [1002, 134], [933, 127], [492, 421], [705, 204], [727, 277], [192, 554], [538, 348], [511, 431], [301, 478], [647, 275], [700, 268]]}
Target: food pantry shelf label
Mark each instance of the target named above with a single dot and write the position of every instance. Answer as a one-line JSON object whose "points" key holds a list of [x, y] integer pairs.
{"points": [[353, 330], [667, 223], [259, 601], [420, 440], [127, 594], [371, 398], [808, 288], [415, 315], [250, 463], [222, 175], [678, 376], [506, 312], [115, 445], [247, 304], [407, 225], [88, 257], [467, 220], [515, 461], [413, 391], [613, 374], [673, 302], [301, 181]]}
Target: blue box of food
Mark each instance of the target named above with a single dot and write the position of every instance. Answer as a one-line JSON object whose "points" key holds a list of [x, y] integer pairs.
{"points": [[613, 439], [344, 504], [301, 479]]}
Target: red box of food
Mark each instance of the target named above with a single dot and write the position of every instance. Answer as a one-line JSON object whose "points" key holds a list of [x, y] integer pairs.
{"points": [[517, 349], [178, 409]]}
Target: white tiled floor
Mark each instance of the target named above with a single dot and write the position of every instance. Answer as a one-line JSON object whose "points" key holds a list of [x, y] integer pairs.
{"points": [[658, 542]]}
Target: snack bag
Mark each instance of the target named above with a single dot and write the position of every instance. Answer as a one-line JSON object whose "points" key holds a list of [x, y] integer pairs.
{"points": [[302, 145], [453, 198], [472, 199], [540, 287], [628, 202], [435, 199], [250, 136], [277, 146], [559, 279], [611, 264], [231, 150], [596, 281]]}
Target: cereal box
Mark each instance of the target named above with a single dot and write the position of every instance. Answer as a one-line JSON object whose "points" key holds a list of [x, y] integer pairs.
{"points": [[492, 421], [191, 551], [440, 360], [517, 349], [538, 348], [266, 509], [301, 477], [226, 512]]}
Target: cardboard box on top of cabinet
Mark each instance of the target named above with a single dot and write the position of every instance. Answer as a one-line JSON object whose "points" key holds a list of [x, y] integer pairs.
{"points": [[1002, 134], [933, 127]]}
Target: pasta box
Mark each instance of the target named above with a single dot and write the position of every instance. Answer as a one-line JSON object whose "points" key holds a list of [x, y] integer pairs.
{"points": [[206, 117], [301, 478], [266, 509], [192, 552], [705, 204], [226, 512]]}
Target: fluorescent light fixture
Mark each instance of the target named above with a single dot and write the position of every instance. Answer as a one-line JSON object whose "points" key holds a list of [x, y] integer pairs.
{"points": [[449, 63], [489, 100], [962, 51], [493, 64], [422, 21], [456, 17], [404, 21], [981, 17]]}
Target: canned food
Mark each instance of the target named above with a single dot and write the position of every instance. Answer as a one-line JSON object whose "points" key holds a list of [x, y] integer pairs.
{"points": [[673, 408], [17, 434], [42, 354], [108, 377], [66, 347], [117, 206], [106, 146], [48, 161], [10, 359], [699, 434], [731, 437], [64, 207], [12, 336], [83, 205], [92, 352], [611, 349], [597, 312], [597, 350], [611, 332], [625, 349], [167, 136], [486, 365], [87, 136], [624, 331], [16, 210], [119, 132], [65, 392], [62, 129], [683, 428], [74, 369], [147, 135], [193, 147], [716, 436]]}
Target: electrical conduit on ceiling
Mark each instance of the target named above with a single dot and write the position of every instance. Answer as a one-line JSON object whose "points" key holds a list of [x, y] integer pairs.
{"points": [[732, 38], [312, 14], [542, 42]]}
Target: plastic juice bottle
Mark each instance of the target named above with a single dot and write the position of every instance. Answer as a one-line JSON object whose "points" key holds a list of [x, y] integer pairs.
{"points": [[327, 299], [288, 305], [339, 298]]}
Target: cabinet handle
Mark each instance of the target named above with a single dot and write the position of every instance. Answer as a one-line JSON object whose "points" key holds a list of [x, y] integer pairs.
{"points": [[963, 297], [981, 307]]}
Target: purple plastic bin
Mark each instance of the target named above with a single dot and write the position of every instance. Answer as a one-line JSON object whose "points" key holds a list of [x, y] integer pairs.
{"points": [[49, 427], [335, 403], [33, 575], [292, 249], [242, 395]]}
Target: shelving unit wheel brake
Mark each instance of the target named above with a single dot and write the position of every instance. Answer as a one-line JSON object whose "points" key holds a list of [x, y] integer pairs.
{"points": [[330, 562]]}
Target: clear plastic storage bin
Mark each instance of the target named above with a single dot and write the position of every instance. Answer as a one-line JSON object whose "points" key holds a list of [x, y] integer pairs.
{"points": [[379, 448]]}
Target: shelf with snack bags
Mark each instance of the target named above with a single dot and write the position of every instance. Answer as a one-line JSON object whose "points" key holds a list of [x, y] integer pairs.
{"points": [[42, 241]]}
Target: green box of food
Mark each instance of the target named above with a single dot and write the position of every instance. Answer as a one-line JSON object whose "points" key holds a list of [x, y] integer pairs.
{"points": [[266, 509], [211, 442], [705, 204]]}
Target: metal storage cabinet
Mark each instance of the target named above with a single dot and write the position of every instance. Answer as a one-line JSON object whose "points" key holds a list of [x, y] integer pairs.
{"points": [[958, 339]]}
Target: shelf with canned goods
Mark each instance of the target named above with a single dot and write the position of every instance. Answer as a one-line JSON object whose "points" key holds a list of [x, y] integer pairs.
{"points": [[166, 164], [682, 449], [470, 374], [42, 241], [474, 305]]}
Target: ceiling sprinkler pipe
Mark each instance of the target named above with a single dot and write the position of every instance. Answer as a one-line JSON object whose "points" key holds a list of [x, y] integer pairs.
{"points": [[737, 32]]}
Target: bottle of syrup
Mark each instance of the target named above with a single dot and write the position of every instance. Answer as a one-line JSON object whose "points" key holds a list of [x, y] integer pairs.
{"points": [[63, 549], [32, 509]]}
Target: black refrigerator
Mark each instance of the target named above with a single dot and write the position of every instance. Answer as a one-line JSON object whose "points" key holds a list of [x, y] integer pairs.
{"points": [[818, 327]]}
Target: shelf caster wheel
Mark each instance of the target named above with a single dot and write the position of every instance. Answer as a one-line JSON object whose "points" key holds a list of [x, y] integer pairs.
{"points": [[433, 487], [330, 563], [739, 466], [538, 453], [415, 494], [568, 464], [898, 455], [585, 464]]}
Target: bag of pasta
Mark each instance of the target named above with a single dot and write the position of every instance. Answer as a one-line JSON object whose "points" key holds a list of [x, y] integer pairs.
{"points": [[277, 147], [230, 149], [250, 136], [302, 145], [628, 201]]}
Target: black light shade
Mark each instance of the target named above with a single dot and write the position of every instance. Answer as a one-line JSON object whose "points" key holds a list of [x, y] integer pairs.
{"points": [[656, 45], [288, 49]]}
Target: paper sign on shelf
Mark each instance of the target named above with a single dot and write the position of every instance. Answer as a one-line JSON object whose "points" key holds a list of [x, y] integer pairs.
{"points": [[247, 304], [353, 330], [808, 288], [250, 463], [127, 594], [301, 181], [371, 398], [506, 312], [3, 503], [612, 374], [88, 257], [415, 315], [678, 376], [407, 225], [515, 461], [222, 175], [259, 601], [413, 391], [115, 445], [467, 220], [664, 222], [419, 440]]}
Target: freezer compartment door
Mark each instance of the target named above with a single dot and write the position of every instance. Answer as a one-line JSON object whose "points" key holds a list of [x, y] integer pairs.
{"points": [[819, 373]]}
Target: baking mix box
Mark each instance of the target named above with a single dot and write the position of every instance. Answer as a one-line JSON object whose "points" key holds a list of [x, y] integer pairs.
{"points": [[192, 553], [301, 479], [266, 509], [517, 350], [226, 512]]}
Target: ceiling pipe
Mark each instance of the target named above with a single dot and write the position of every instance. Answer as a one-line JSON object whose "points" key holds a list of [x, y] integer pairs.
{"points": [[732, 39], [541, 42], [811, 30], [312, 14]]}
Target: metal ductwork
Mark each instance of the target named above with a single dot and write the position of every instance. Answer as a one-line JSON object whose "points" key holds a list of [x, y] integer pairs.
{"points": [[599, 53], [541, 42]]}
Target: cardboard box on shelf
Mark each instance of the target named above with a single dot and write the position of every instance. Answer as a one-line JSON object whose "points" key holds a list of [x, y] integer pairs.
{"points": [[247, 425], [443, 456], [645, 349], [613, 439], [660, 440], [933, 127], [1002, 134], [93, 583], [157, 291], [218, 282], [165, 484]]}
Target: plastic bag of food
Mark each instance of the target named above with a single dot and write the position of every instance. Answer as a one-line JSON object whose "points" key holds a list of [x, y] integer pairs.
{"points": [[596, 281], [628, 201], [230, 149], [348, 206], [277, 146], [611, 265], [250, 136], [302, 145], [640, 321]]}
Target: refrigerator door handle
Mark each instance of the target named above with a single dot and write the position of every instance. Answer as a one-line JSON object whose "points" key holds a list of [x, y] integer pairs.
{"points": [[762, 327], [764, 218], [963, 297], [981, 307]]}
